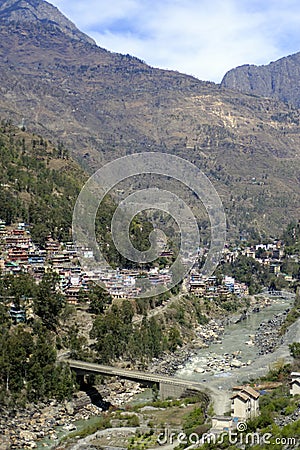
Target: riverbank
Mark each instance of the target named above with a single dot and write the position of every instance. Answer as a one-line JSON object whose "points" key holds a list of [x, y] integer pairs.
{"points": [[212, 332], [267, 336], [43, 425], [220, 381], [25, 428]]}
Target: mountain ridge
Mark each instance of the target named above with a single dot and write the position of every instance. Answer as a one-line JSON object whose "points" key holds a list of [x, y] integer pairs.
{"points": [[104, 105], [279, 80], [29, 11]]}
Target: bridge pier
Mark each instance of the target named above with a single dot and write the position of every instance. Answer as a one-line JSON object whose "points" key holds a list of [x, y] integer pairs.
{"points": [[169, 387], [167, 390], [80, 379]]}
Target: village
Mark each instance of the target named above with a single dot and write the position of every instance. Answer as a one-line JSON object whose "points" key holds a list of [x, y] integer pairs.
{"points": [[19, 254]]}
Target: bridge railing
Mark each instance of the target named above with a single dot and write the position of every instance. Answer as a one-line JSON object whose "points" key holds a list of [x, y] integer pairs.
{"points": [[131, 374]]}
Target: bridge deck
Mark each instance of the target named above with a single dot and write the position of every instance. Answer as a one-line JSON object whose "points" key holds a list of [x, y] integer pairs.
{"points": [[134, 375]]}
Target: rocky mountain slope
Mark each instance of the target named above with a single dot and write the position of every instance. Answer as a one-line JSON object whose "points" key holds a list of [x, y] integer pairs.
{"points": [[104, 105], [39, 12], [279, 80]]}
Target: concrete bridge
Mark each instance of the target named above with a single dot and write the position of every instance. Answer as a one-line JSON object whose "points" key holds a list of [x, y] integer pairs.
{"points": [[169, 387]]}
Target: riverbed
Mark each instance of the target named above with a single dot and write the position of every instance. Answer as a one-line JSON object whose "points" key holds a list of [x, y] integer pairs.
{"points": [[237, 344], [212, 365]]}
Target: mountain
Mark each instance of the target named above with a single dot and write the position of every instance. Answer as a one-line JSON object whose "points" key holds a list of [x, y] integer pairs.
{"points": [[279, 80], [39, 12], [103, 105]]}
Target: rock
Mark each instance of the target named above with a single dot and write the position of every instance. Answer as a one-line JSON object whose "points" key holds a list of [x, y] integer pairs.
{"points": [[149, 408], [278, 80], [69, 408], [199, 370], [70, 427], [236, 363], [4, 443], [27, 435]]}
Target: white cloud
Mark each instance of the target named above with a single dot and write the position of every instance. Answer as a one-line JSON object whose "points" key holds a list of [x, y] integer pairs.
{"points": [[204, 38]]}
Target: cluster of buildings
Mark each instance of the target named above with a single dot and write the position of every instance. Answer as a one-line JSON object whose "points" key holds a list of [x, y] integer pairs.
{"points": [[210, 288], [245, 405], [269, 255], [18, 254]]}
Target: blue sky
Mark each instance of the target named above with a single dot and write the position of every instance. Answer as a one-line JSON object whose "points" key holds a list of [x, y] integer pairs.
{"points": [[203, 38]]}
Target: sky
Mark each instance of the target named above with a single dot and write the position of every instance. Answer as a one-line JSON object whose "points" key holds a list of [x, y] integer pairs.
{"points": [[203, 38]]}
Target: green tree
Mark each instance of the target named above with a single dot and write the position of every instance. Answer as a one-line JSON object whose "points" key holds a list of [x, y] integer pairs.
{"points": [[49, 302], [295, 350], [16, 348], [99, 298], [174, 339]]}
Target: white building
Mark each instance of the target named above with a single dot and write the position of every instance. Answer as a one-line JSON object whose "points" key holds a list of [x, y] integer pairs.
{"points": [[295, 383], [221, 423], [245, 403]]}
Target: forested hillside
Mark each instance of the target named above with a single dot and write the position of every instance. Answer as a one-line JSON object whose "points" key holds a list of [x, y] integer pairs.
{"points": [[39, 183]]}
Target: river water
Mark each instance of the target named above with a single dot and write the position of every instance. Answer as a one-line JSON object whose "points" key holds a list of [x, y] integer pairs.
{"points": [[235, 340]]}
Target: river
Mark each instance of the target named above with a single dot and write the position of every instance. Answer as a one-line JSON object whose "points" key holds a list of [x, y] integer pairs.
{"points": [[236, 339]]}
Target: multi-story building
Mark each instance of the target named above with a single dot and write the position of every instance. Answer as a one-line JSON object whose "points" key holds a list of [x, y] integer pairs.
{"points": [[245, 403]]}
